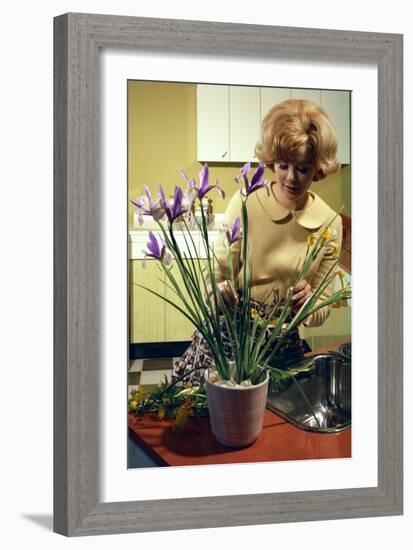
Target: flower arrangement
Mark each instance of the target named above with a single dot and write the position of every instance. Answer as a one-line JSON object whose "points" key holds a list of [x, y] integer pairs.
{"points": [[171, 402], [255, 339]]}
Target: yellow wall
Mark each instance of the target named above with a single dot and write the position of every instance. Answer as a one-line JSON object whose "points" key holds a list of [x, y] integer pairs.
{"points": [[162, 136]]}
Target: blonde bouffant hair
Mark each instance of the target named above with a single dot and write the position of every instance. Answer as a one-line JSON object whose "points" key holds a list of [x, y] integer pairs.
{"points": [[293, 123]]}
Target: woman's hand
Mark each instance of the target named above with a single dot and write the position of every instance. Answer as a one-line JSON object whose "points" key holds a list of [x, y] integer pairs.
{"points": [[301, 293], [228, 293]]}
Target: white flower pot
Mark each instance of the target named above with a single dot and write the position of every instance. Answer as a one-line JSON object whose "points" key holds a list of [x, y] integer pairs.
{"points": [[236, 413]]}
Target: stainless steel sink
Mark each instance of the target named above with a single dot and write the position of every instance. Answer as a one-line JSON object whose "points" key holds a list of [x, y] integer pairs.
{"points": [[319, 399]]}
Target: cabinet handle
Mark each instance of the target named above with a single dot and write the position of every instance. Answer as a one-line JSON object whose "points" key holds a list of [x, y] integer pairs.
{"points": [[226, 152]]}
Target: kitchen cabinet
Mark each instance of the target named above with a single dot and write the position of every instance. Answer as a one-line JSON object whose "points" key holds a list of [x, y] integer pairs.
{"points": [[309, 95], [229, 118], [151, 318], [147, 311], [177, 327], [337, 106], [244, 122], [270, 97], [228, 122], [212, 123]]}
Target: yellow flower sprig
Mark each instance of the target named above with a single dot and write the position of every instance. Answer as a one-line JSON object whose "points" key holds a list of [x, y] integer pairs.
{"points": [[344, 286], [315, 242], [271, 323], [321, 239], [137, 396], [325, 235], [182, 417], [333, 251], [341, 274]]}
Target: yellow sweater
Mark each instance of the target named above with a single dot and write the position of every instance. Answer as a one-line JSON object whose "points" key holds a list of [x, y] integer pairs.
{"points": [[277, 240]]}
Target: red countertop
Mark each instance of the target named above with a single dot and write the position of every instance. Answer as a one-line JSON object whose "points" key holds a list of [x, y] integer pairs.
{"points": [[279, 440]]}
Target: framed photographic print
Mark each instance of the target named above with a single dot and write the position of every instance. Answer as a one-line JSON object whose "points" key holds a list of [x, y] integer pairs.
{"points": [[120, 84]]}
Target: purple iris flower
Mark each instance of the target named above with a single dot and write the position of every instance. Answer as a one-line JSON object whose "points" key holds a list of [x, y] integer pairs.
{"points": [[146, 206], [203, 188], [157, 249], [257, 181], [234, 234], [173, 208]]}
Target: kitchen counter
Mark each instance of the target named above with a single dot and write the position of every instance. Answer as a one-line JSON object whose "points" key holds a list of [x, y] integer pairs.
{"points": [[279, 440], [138, 237]]}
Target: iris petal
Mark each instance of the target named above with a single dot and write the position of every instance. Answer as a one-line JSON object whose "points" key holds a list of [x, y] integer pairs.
{"points": [[256, 182], [162, 193], [154, 245], [221, 192], [246, 169], [148, 194], [183, 174], [256, 178], [203, 178], [233, 235], [176, 206]]}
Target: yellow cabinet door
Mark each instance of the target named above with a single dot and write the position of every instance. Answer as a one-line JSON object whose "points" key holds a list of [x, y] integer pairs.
{"points": [[177, 326], [147, 311]]}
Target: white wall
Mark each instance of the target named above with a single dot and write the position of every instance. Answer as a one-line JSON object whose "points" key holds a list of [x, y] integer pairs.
{"points": [[26, 273]]}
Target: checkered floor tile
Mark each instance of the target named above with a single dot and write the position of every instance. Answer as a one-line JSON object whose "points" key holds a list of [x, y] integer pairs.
{"points": [[149, 372]]}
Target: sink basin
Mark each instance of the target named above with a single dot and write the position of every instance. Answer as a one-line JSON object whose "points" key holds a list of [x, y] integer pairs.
{"points": [[345, 349], [322, 402]]}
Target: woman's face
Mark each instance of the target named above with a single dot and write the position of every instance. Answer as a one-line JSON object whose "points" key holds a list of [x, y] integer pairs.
{"points": [[294, 177]]}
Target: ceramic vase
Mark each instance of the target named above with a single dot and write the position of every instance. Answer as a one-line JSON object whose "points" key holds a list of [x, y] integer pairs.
{"points": [[236, 413]]}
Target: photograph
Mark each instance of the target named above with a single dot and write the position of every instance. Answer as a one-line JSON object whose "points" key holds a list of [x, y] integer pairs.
{"points": [[239, 273]]}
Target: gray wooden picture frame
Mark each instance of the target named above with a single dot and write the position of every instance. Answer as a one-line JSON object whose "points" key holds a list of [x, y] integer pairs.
{"points": [[78, 38]]}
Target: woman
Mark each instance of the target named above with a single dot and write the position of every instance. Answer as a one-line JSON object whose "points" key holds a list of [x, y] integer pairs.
{"points": [[299, 144]]}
